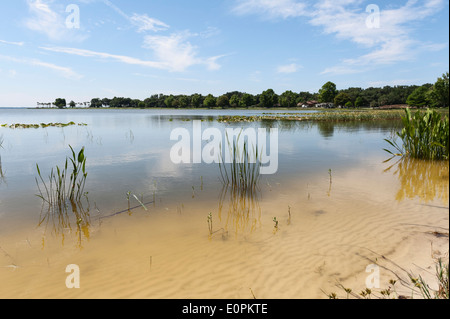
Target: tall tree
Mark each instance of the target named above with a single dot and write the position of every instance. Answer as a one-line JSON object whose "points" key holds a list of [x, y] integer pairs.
{"points": [[327, 93], [342, 99], [246, 100], [210, 101], [223, 101], [418, 97], [288, 99], [60, 103], [439, 93], [268, 98]]}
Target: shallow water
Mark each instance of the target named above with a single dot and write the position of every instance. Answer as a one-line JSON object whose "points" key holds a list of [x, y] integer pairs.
{"points": [[335, 199]]}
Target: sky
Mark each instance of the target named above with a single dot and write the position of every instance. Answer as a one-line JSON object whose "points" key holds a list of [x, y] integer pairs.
{"points": [[82, 49]]}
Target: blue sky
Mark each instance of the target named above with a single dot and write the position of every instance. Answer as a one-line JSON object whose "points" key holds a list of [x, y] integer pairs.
{"points": [[137, 48]]}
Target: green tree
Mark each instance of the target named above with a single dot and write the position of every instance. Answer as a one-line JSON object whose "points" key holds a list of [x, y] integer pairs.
{"points": [[288, 99], [418, 98], [196, 100], [183, 101], [234, 101], [72, 104], [327, 93], [439, 93], [360, 102], [341, 99], [169, 101], [60, 103], [210, 101], [246, 100], [106, 101], [223, 101], [96, 103], [268, 98]]}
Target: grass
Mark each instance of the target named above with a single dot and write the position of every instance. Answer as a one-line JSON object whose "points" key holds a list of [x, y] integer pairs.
{"points": [[424, 136], [418, 287], [64, 186], [2, 174], [243, 173]]}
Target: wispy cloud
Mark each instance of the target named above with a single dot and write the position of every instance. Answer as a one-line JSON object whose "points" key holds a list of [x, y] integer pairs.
{"points": [[12, 43], [392, 42], [108, 56], [63, 71], [172, 53], [271, 9], [144, 23], [49, 22], [177, 52]]}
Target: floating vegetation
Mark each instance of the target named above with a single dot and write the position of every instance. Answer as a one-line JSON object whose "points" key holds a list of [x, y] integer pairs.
{"points": [[424, 136], [41, 125], [329, 116], [326, 116]]}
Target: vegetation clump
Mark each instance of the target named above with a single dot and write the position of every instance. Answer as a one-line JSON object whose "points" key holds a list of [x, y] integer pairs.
{"points": [[424, 136]]}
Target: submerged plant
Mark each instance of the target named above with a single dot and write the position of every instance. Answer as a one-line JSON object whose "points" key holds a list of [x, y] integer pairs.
{"points": [[2, 174], [243, 171], [424, 136], [64, 186]]}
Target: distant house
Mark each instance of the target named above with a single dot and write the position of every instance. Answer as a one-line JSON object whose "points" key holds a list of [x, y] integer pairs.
{"points": [[308, 104], [326, 105]]}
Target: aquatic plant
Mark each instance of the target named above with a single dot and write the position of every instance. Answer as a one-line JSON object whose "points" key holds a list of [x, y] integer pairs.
{"points": [[41, 125], [2, 174], [64, 186], [424, 136], [243, 171], [418, 287]]}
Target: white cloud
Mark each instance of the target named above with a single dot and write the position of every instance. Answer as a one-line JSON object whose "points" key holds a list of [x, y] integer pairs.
{"points": [[102, 55], [177, 53], [63, 71], [47, 21], [173, 53], [392, 42], [270, 8], [145, 23], [12, 43], [289, 68]]}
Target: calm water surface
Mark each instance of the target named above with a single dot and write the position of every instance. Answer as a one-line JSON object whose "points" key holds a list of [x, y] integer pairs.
{"points": [[324, 170]]}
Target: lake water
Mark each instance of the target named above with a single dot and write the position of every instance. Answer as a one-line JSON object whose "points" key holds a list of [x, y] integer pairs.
{"points": [[338, 204]]}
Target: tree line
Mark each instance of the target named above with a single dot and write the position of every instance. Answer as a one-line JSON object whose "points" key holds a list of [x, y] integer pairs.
{"points": [[432, 95]]}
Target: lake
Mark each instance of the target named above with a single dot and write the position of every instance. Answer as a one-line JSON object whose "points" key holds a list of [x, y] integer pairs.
{"points": [[144, 230]]}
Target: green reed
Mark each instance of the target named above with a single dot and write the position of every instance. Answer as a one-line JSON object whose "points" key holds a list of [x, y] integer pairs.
{"points": [[424, 136], [243, 171], [2, 174], [64, 184]]}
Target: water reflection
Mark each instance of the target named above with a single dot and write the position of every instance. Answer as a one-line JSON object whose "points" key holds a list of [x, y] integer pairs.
{"points": [[428, 180], [73, 220], [239, 210]]}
